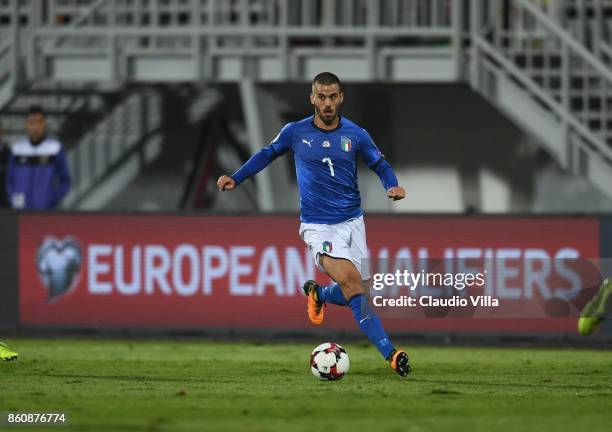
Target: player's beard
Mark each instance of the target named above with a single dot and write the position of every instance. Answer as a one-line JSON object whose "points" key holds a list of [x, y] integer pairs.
{"points": [[327, 118]]}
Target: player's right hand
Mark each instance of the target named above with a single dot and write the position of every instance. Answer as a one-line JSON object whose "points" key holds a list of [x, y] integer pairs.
{"points": [[226, 183]]}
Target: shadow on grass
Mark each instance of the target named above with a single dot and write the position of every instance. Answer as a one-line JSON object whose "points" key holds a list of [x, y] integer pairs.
{"points": [[497, 384], [140, 378], [365, 375]]}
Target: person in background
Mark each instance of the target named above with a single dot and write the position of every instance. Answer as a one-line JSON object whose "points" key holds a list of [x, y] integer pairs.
{"points": [[37, 176]]}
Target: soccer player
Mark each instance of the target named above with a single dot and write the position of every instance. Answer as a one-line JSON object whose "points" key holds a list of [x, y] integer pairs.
{"points": [[325, 147], [597, 309], [6, 353]]}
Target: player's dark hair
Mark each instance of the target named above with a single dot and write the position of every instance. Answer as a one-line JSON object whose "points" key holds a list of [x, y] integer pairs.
{"points": [[327, 78], [36, 109]]}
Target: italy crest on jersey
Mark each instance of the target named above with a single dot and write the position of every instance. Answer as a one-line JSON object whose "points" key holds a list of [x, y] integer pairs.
{"points": [[345, 143]]}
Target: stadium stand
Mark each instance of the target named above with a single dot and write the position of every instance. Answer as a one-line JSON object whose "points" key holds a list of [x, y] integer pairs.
{"points": [[113, 67]]}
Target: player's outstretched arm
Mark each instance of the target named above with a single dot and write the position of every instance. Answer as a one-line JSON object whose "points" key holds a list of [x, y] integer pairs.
{"points": [[225, 182], [264, 157], [259, 161]]}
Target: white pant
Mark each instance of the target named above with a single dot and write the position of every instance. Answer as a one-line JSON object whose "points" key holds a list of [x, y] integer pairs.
{"points": [[343, 240]]}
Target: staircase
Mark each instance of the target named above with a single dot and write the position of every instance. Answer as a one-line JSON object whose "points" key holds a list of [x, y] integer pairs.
{"points": [[11, 48], [547, 81], [161, 162], [115, 149]]}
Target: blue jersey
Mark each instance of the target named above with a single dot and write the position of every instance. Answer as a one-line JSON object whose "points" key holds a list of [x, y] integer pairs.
{"points": [[325, 166]]}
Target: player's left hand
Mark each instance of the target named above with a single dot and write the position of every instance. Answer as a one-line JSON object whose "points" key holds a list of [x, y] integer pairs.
{"points": [[396, 193]]}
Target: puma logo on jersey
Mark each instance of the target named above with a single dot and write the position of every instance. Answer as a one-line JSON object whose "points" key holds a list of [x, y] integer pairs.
{"points": [[307, 142]]}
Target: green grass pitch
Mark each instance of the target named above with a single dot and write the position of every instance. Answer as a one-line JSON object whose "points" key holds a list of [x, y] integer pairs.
{"points": [[116, 385]]}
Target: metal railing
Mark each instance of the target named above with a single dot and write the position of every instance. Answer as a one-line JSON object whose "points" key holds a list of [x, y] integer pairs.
{"points": [[121, 134], [211, 34], [154, 13], [588, 21], [6, 70], [10, 51], [206, 31], [555, 70]]}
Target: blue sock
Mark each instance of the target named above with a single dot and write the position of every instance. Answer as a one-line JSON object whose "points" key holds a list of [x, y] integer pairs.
{"points": [[370, 324], [331, 294]]}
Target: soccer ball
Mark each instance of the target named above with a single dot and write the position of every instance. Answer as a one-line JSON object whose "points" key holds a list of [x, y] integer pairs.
{"points": [[329, 362]]}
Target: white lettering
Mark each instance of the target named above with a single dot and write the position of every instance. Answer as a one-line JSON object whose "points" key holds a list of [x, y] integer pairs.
{"points": [[157, 272], [238, 269], [122, 286], [211, 271], [298, 268], [269, 272], [562, 257], [534, 277], [96, 268], [504, 273], [190, 287]]}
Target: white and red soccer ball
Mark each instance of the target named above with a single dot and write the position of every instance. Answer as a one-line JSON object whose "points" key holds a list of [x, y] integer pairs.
{"points": [[329, 362]]}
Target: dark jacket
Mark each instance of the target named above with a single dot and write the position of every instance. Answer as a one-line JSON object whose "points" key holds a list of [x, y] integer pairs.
{"points": [[5, 152], [37, 175]]}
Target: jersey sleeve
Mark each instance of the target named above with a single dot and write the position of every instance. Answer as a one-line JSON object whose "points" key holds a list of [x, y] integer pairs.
{"points": [[284, 140], [264, 157], [368, 150], [375, 160]]}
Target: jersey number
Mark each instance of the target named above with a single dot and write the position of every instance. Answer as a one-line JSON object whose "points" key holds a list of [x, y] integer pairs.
{"points": [[331, 165]]}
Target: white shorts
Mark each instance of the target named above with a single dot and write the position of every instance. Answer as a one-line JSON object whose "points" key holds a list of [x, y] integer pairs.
{"points": [[343, 240]]}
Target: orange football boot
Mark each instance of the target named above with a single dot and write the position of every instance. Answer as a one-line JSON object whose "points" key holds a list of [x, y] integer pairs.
{"points": [[399, 362], [316, 308]]}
